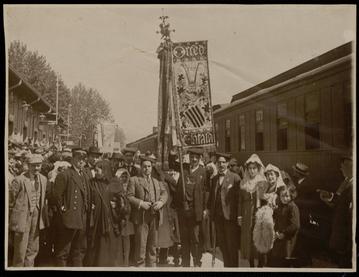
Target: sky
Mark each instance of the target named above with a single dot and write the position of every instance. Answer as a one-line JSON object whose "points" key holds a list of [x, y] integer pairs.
{"points": [[112, 48]]}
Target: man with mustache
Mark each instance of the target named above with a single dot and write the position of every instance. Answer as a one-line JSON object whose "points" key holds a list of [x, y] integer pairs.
{"points": [[222, 207], [28, 212]]}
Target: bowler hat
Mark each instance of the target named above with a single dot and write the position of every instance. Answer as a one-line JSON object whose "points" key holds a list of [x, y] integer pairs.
{"points": [[117, 155], [301, 168], [196, 151], [94, 150], [129, 150], [34, 159]]}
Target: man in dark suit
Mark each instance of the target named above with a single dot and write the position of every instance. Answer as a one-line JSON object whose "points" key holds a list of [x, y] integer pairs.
{"points": [[93, 156], [129, 153], [307, 203], [342, 203], [190, 204], [147, 197], [71, 194], [222, 208]]}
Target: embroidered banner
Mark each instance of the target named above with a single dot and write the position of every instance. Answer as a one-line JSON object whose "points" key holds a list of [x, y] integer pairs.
{"points": [[192, 94], [106, 137]]}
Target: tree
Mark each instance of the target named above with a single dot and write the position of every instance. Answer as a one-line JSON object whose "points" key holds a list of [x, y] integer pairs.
{"points": [[88, 109], [34, 68]]}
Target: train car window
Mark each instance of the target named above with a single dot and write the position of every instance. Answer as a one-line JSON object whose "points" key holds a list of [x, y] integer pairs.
{"points": [[227, 142], [282, 127], [259, 131], [242, 133], [312, 121]]}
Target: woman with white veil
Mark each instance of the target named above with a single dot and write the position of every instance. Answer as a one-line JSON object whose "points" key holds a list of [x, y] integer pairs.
{"points": [[249, 202], [263, 232]]}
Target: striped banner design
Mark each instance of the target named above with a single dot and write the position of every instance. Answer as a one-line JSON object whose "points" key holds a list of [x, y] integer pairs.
{"points": [[195, 115]]}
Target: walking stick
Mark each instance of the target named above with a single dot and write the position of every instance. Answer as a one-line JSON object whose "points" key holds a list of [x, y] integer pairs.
{"points": [[214, 244]]}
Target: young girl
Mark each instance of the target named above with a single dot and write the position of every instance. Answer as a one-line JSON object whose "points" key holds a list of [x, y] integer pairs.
{"points": [[286, 225], [249, 202]]}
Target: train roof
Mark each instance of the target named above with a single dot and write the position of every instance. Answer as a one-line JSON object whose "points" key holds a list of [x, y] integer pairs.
{"points": [[308, 68]]}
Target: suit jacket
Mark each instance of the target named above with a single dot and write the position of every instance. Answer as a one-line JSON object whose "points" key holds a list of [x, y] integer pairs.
{"points": [[20, 203], [72, 197], [137, 191], [229, 195], [199, 178]]}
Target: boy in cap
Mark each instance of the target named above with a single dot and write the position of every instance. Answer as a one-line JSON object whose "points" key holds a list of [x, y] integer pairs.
{"points": [[27, 212]]}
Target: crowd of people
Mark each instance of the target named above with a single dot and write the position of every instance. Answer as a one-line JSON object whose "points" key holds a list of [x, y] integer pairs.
{"points": [[78, 207]]}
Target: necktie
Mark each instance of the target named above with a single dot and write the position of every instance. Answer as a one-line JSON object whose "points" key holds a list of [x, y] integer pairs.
{"points": [[37, 183]]}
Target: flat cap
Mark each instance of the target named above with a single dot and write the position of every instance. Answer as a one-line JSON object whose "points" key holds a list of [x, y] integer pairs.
{"points": [[147, 158], [34, 159], [224, 155]]}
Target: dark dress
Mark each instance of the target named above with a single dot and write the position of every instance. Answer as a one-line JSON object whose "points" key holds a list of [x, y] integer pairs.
{"points": [[103, 247], [286, 221]]}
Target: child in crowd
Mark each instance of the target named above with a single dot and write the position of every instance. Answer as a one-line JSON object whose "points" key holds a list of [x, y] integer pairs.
{"points": [[286, 225]]}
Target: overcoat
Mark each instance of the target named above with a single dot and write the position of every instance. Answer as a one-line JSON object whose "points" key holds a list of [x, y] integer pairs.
{"points": [[72, 197]]}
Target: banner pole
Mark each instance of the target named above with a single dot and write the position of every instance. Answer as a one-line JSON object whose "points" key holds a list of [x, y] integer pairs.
{"points": [[185, 203]]}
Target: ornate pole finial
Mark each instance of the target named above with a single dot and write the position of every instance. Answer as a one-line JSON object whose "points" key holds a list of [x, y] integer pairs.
{"points": [[165, 30]]}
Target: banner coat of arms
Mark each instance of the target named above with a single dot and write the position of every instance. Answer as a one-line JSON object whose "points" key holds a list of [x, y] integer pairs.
{"points": [[191, 94]]}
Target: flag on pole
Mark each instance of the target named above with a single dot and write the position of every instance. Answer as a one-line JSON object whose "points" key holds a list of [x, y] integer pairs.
{"points": [[191, 94], [167, 136]]}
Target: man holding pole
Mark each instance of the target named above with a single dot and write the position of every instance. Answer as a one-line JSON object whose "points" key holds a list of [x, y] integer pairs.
{"points": [[190, 205]]}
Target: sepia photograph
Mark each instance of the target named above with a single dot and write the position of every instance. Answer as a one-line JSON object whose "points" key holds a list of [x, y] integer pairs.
{"points": [[180, 137]]}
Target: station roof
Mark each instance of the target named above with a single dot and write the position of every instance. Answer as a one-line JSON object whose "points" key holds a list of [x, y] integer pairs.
{"points": [[30, 94]]}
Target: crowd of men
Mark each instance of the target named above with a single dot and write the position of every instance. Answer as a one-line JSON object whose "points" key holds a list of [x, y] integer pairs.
{"points": [[80, 207]]}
